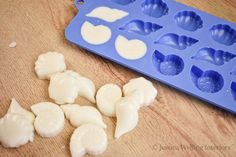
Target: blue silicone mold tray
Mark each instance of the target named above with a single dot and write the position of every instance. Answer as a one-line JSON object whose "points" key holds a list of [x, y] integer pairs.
{"points": [[186, 48]]}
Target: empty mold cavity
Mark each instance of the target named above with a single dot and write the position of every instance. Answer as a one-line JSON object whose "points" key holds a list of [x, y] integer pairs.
{"points": [[176, 41], [154, 8], [223, 34], [207, 81], [188, 20], [233, 72], [140, 27], [123, 2], [233, 90], [169, 65], [217, 57]]}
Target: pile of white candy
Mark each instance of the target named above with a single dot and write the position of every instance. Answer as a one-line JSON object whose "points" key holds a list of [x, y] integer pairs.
{"points": [[18, 125]]}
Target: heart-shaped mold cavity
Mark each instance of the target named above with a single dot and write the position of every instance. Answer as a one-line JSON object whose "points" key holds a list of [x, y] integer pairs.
{"points": [[123, 2], [155, 8], [223, 34], [169, 65], [233, 90], [140, 27], [188, 20], [207, 81], [176, 41], [217, 57]]}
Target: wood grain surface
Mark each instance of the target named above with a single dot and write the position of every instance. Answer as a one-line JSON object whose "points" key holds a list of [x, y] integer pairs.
{"points": [[173, 122]]}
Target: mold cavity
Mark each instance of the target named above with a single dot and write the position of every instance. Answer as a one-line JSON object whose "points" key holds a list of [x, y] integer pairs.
{"points": [[233, 72], [170, 65], [223, 34], [140, 27], [233, 90], [176, 41], [154, 8], [208, 81], [217, 57], [123, 2], [188, 20]]}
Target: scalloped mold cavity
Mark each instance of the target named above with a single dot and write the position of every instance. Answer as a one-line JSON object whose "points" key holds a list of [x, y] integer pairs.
{"points": [[176, 41], [155, 8], [223, 34], [140, 27], [170, 65], [233, 90], [123, 2], [217, 57], [188, 20], [207, 81]]}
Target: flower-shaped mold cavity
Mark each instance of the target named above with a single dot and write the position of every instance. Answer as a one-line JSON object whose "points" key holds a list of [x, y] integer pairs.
{"points": [[170, 65], [176, 41], [223, 34], [123, 2], [207, 81], [188, 20], [154, 8], [217, 57], [233, 90], [140, 27]]}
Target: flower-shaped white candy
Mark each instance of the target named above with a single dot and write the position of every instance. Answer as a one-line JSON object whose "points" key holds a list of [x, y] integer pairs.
{"points": [[106, 98], [79, 115], [88, 138], [63, 88], [15, 130], [48, 64], [141, 84], [127, 117], [15, 107], [49, 120]]}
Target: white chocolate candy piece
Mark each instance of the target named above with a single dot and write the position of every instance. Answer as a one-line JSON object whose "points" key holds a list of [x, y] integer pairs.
{"points": [[15, 107], [50, 119], [48, 64], [106, 98], [15, 130], [72, 73], [107, 14], [95, 35], [63, 88], [141, 84], [79, 115], [127, 117], [88, 138], [86, 88], [130, 49]]}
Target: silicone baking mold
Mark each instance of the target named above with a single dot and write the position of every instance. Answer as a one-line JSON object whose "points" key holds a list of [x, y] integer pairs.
{"points": [[187, 49]]}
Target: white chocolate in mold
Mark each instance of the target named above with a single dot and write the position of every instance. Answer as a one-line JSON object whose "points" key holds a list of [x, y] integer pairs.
{"points": [[107, 14], [88, 138], [49, 120], [106, 98], [48, 64], [130, 49], [79, 115], [15, 130], [141, 84], [95, 35]]}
